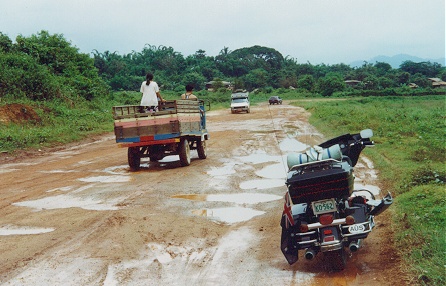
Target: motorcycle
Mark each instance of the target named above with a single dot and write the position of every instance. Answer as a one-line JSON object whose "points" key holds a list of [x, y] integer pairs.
{"points": [[322, 212]]}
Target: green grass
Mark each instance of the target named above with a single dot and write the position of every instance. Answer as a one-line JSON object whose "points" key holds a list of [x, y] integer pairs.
{"points": [[61, 122], [410, 153]]}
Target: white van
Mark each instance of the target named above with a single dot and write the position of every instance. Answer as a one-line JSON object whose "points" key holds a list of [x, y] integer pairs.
{"points": [[240, 102]]}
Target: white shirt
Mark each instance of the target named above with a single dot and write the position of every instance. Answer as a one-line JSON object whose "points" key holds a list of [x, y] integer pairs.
{"points": [[149, 97]]}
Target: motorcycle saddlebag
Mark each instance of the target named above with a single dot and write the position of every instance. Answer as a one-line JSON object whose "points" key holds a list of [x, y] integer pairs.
{"points": [[320, 180]]}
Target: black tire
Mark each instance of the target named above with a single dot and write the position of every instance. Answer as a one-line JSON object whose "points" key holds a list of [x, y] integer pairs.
{"points": [[134, 158], [201, 149], [184, 153], [337, 258], [156, 157], [156, 153]]}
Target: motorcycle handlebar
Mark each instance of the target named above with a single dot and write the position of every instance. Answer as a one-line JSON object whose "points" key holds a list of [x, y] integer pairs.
{"points": [[364, 142]]}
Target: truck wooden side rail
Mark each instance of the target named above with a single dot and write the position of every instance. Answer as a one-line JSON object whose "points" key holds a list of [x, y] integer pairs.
{"points": [[178, 127]]}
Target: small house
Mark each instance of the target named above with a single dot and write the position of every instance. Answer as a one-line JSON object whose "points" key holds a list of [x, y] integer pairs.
{"points": [[437, 82]]}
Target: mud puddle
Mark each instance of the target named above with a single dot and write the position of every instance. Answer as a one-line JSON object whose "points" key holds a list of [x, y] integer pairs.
{"points": [[86, 197], [22, 230], [229, 215]]}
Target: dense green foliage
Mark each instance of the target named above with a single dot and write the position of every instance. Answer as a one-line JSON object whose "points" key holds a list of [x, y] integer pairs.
{"points": [[59, 122], [46, 66], [256, 67], [49, 76], [410, 151]]}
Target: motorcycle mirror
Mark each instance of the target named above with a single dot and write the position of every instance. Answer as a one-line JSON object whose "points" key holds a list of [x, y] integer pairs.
{"points": [[366, 133]]}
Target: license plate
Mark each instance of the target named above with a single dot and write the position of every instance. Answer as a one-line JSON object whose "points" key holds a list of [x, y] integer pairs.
{"points": [[324, 206], [356, 228]]}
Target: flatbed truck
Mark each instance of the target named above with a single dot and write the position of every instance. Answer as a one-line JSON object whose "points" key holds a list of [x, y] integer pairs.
{"points": [[177, 128]]}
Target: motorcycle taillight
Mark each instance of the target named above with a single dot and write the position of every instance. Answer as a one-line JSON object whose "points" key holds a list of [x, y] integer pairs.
{"points": [[326, 219], [349, 220]]}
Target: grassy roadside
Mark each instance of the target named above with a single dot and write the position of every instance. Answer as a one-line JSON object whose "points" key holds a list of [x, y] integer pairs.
{"points": [[410, 153]]}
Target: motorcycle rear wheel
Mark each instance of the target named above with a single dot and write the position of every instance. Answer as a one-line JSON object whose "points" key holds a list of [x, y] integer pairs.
{"points": [[337, 259]]}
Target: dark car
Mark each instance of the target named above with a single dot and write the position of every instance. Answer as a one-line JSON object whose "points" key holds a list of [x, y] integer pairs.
{"points": [[275, 100]]}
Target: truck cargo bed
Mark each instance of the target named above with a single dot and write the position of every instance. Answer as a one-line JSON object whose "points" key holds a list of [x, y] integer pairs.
{"points": [[174, 119]]}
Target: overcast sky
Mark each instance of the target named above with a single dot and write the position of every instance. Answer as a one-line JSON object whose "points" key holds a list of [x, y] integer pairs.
{"points": [[315, 31]]}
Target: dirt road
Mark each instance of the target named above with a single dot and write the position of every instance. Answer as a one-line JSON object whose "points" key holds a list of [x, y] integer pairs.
{"points": [[78, 216]]}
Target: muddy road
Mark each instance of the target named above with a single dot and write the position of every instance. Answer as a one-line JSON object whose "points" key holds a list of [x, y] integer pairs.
{"points": [[78, 216]]}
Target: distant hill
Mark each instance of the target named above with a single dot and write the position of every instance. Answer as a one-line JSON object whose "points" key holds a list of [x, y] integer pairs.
{"points": [[397, 60]]}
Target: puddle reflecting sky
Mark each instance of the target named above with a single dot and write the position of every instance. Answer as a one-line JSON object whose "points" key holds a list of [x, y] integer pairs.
{"points": [[4, 171], [117, 170], [22, 230], [373, 189], [106, 179], [275, 171], [258, 158], [6, 168], [262, 184], [67, 201], [169, 159], [227, 169], [292, 145], [63, 189], [58, 171], [228, 215], [241, 198]]}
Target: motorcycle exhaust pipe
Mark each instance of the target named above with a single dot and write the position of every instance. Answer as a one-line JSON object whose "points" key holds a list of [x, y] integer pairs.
{"points": [[310, 254], [355, 245]]}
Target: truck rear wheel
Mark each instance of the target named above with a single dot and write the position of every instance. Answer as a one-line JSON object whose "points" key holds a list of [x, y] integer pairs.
{"points": [[134, 158], [184, 153], [201, 149]]}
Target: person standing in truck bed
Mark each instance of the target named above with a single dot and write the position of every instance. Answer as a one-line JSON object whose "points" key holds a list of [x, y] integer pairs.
{"points": [[150, 93], [188, 94]]}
